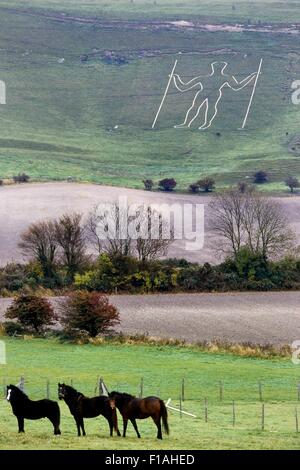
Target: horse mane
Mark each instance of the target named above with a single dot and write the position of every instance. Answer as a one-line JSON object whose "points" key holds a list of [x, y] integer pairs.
{"points": [[18, 390], [73, 391]]}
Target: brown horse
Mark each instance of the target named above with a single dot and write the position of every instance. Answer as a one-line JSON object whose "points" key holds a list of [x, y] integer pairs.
{"points": [[84, 407], [132, 408]]}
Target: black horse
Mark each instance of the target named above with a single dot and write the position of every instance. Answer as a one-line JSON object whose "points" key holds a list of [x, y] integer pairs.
{"points": [[132, 408], [84, 407], [24, 408]]}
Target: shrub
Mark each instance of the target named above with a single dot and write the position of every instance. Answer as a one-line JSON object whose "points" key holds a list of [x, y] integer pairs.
{"points": [[21, 178], [13, 277], [148, 184], [31, 312], [206, 184], [193, 188], [167, 184], [251, 266], [292, 183], [260, 177], [12, 328], [88, 311]]}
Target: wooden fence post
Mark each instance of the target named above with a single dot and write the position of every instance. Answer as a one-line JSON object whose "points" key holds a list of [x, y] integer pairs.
{"points": [[221, 390], [260, 391], [205, 410], [296, 419], [263, 417], [180, 406], [142, 387], [183, 390], [22, 383], [48, 389], [233, 414]]}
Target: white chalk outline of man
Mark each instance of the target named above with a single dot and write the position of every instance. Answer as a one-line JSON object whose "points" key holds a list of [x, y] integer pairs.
{"points": [[230, 81]]}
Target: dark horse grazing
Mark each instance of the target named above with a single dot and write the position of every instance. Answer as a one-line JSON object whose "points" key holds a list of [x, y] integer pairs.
{"points": [[84, 407], [24, 408], [132, 408]]}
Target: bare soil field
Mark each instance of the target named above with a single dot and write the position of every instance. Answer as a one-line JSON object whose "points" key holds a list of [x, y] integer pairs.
{"points": [[24, 204], [238, 317]]}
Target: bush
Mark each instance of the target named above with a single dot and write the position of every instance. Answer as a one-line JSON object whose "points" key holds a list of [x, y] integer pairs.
{"points": [[21, 178], [206, 184], [292, 183], [260, 177], [31, 312], [204, 278], [193, 188], [148, 184], [12, 328], [88, 311], [167, 184]]}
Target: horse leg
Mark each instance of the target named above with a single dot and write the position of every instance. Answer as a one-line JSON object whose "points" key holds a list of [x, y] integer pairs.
{"points": [[82, 426], [111, 426], [78, 426], [55, 424], [21, 423], [158, 424], [125, 422], [133, 421]]}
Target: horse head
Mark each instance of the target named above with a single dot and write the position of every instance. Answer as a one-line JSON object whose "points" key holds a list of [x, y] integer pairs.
{"points": [[66, 391], [12, 391]]}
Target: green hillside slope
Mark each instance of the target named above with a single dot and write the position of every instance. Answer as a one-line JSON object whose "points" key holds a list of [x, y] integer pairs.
{"points": [[82, 92]]}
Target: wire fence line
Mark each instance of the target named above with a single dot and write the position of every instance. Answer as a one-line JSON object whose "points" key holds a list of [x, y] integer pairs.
{"points": [[263, 409], [185, 389]]}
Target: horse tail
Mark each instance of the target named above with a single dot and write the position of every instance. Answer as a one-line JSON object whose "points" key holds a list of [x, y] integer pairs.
{"points": [[164, 415], [115, 419], [56, 415]]}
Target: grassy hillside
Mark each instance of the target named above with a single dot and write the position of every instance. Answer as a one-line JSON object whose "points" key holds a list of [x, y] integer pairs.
{"points": [[64, 99], [221, 10], [162, 368]]}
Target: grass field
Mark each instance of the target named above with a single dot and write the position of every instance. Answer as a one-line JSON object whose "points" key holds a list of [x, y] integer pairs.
{"points": [[60, 115], [162, 368], [221, 10]]}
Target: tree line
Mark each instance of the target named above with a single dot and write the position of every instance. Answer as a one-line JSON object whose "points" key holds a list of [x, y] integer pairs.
{"points": [[250, 231]]}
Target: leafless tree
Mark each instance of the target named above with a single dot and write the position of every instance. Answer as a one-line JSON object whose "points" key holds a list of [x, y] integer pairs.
{"points": [[39, 242], [121, 232], [147, 246], [250, 219], [106, 229], [71, 239], [92, 232]]}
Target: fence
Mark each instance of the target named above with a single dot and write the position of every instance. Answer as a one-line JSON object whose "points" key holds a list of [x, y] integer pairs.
{"points": [[263, 405], [186, 389]]}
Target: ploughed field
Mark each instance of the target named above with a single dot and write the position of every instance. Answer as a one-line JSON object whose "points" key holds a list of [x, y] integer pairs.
{"points": [[258, 317]]}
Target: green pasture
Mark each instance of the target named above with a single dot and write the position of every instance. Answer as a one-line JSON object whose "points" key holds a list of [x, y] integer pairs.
{"points": [[219, 10], [162, 368]]}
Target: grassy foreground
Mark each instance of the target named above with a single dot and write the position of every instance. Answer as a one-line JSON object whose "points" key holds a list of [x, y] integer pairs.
{"points": [[162, 368]]}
